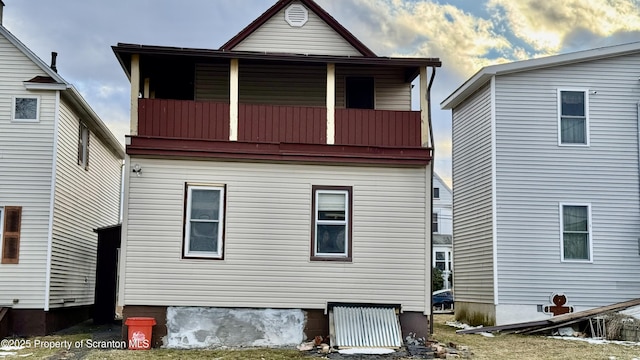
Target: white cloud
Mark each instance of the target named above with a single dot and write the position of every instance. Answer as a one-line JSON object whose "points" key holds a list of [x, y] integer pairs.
{"points": [[547, 25]]}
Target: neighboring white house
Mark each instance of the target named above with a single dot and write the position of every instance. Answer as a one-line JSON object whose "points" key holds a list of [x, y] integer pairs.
{"points": [[286, 172], [59, 179], [442, 226], [545, 171]]}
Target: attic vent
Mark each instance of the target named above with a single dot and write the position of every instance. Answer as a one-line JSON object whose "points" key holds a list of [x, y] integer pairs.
{"points": [[296, 15]]}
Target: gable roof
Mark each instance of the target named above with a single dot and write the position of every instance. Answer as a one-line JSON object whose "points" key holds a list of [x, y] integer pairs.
{"points": [[69, 92], [486, 73], [281, 4], [435, 175]]}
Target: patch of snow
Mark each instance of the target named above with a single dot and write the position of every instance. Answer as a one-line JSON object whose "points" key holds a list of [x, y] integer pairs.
{"points": [[597, 341], [368, 351], [459, 325], [632, 311], [7, 353], [11, 348]]}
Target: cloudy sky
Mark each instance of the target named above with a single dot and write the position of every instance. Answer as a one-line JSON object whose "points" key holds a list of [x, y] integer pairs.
{"points": [[464, 34]]}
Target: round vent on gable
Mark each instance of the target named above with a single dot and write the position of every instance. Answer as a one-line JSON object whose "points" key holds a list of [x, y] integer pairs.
{"points": [[296, 15]]}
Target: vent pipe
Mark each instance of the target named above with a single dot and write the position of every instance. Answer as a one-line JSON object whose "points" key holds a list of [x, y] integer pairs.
{"points": [[1, 9], [54, 56]]}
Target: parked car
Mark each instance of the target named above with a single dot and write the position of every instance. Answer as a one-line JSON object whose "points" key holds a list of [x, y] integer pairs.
{"points": [[442, 299]]}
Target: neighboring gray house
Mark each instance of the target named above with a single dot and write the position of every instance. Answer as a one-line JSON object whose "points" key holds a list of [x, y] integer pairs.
{"points": [[545, 171], [442, 227], [59, 179]]}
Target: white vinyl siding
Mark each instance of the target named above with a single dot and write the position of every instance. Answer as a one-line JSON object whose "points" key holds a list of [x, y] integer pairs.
{"points": [[267, 237], [84, 200], [26, 158], [534, 175], [315, 37], [472, 199]]}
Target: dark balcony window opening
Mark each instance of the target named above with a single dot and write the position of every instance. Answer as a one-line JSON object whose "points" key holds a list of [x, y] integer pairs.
{"points": [[360, 92], [171, 80]]}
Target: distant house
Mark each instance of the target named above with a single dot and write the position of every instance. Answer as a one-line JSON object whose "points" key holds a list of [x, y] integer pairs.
{"points": [[442, 227], [284, 170], [59, 179], [545, 171]]}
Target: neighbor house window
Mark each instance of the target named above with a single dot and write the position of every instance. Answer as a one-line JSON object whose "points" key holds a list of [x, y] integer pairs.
{"points": [[434, 222], [331, 223], [204, 222], [576, 232], [83, 146], [26, 108], [436, 193], [10, 223], [573, 117]]}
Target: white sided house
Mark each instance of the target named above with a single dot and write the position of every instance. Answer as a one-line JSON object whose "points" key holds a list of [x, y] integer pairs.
{"points": [[545, 172], [272, 177], [59, 179], [442, 227]]}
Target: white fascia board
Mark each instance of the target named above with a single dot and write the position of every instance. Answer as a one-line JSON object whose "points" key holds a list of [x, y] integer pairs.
{"points": [[45, 86]]}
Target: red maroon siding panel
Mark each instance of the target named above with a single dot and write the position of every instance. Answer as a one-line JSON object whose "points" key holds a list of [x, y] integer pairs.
{"points": [[184, 119], [378, 128], [276, 124]]}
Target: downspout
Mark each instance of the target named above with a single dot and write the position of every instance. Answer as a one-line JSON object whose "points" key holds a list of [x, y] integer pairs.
{"points": [[433, 155]]}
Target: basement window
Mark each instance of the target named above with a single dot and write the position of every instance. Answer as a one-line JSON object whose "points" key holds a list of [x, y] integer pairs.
{"points": [[331, 223], [204, 222]]}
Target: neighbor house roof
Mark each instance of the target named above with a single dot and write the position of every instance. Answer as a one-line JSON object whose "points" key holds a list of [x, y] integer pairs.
{"points": [[486, 73], [53, 81], [277, 7]]}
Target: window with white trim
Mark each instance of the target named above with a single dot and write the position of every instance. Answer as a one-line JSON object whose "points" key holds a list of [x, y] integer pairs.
{"points": [[436, 193], [83, 146], [331, 223], [573, 120], [26, 108], [204, 222], [575, 223], [434, 222]]}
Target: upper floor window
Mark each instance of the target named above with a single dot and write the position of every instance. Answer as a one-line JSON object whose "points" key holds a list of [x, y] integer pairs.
{"points": [[360, 92], [573, 119], [331, 223], [83, 146], [436, 193], [434, 222], [575, 224], [26, 108], [204, 222]]}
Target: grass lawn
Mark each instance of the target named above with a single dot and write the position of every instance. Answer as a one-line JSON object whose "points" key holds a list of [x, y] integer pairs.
{"points": [[517, 347], [521, 347]]}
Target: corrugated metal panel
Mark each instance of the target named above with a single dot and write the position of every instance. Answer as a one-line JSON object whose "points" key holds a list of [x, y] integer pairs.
{"points": [[183, 119], [25, 178], [268, 236], [534, 175], [365, 326], [315, 37], [84, 200], [472, 209], [292, 124]]}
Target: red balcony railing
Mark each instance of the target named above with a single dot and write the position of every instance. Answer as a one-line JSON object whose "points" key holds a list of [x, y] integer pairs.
{"points": [[378, 127], [183, 119], [291, 124]]}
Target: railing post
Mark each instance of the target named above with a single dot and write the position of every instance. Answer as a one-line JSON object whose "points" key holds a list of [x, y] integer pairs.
{"points": [[331, 103], [234, 71], [135, 91], [424, 107]]}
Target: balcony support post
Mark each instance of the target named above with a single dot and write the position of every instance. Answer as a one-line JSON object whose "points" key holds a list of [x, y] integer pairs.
{"points": [[424, 107], [135, 93], [234, 70], [331, 103]]}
